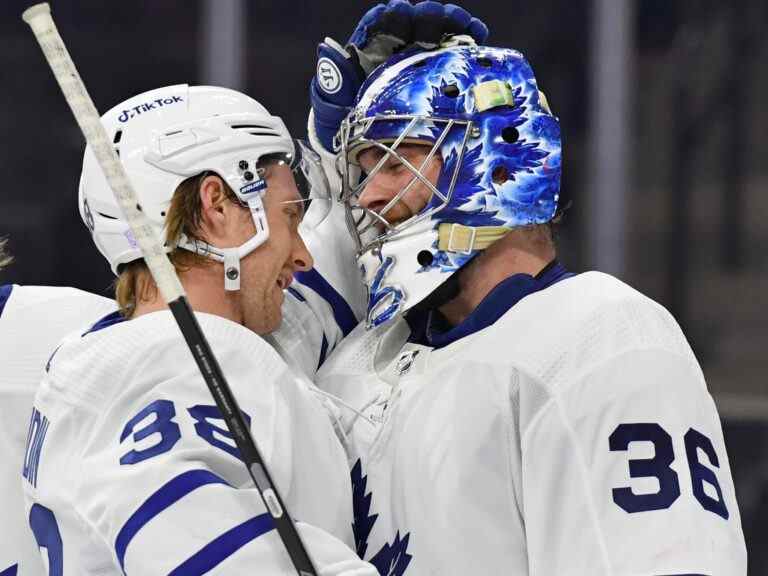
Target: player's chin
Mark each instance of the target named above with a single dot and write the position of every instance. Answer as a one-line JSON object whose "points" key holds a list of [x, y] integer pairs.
{"points": [[273, 322], [275, 312]]}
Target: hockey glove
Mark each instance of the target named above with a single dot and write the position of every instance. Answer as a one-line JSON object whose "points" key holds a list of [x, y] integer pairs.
{"points": [[382, 31]]}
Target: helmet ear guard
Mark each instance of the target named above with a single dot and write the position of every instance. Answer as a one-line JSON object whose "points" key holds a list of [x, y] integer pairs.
{"points": [[481, 110], [312, 185]]}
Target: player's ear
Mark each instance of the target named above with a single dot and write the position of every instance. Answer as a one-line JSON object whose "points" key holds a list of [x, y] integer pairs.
{"points": [[215, 208]]}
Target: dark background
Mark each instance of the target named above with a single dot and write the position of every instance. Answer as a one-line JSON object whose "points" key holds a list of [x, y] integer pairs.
{"points": [[696, 238]]}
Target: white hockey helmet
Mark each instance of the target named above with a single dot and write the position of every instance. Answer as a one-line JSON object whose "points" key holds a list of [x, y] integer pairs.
{"points": [[167, 135]]}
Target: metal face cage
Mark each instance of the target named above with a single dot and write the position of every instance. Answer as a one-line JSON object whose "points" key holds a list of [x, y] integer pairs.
{"points": [[370, 228]]}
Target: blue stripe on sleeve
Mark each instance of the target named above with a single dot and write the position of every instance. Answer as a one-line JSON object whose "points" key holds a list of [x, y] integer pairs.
{"points": [[342, 312], [12, 570], [296, 294], [170, 493], [218, 550], [5, 293], [323, 351]]}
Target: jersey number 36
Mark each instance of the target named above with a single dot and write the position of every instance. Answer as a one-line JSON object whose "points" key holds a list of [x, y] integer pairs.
{"points": [[659, 467]]}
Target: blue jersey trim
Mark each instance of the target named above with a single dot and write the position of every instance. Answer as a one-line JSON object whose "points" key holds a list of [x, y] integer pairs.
{"points": [[12, 570], [5, 293], [425, 328], [170, 493], [218, 550], [296, 294], [342, 312], [323, 351], [108, 320]]}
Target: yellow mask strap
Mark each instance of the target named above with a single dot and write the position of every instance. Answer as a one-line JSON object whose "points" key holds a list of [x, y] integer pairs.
{"points": [[465, 239]]}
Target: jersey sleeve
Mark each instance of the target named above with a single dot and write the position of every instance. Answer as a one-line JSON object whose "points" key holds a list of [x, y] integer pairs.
{"points": [[161, 481], [625, 472], [325, 303], [33, 320]]}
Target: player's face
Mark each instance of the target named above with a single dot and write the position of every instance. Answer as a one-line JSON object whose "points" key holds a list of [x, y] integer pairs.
{"points": [[269, 269], [393, 176]]}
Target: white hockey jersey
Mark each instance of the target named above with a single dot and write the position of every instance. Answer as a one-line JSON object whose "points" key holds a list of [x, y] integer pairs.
{"points": [[324, 304], [573, 436], [33, 319], [130, 469]]}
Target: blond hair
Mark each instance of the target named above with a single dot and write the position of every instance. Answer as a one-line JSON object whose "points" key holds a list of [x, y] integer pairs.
{"points": [[5, 257], [134, 283]]}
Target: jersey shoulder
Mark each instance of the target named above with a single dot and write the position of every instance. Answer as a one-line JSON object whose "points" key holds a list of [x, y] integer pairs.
{"points": [[138, 354], [60, 301], [33, 320], [48, 312], [580, 323]]}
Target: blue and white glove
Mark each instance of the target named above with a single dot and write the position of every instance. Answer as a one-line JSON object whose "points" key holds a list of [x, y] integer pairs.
{"points": [[382, 31]]}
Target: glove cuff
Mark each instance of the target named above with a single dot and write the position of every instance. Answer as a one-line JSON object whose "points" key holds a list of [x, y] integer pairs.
{"points": [[327, 117]]}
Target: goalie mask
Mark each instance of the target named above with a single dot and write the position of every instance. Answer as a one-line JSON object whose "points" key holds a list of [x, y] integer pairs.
{"points": [[168, 135], [478, 111]]}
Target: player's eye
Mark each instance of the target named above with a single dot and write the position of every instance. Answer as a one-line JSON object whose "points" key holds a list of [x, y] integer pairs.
{"points": [[293, 214], [393, 166]]}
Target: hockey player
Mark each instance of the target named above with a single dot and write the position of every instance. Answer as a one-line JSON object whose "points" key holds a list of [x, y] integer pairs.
{"points": [[326, 303], [33, 319], [307, 332], [129, 467], [516, 418]]}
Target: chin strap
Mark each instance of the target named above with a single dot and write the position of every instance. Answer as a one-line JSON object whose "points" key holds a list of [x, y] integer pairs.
{"points": [[231, 257], [467, 239]]}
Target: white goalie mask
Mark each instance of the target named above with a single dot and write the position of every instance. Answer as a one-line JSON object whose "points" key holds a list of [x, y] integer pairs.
{"points": [[168, 135]]}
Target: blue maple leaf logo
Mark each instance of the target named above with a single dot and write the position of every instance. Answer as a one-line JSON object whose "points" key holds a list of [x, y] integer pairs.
{"points": [[392, 559], [361, 506]]}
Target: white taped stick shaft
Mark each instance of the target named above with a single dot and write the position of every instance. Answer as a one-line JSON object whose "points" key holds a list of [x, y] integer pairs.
{"points": [[39, 19]]}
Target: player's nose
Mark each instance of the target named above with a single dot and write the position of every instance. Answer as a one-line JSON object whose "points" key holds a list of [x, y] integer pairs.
{"points": [[376, 194], [301, 258]]}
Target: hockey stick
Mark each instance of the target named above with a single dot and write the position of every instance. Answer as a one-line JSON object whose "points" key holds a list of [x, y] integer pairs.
{"points": [[39, 19]]}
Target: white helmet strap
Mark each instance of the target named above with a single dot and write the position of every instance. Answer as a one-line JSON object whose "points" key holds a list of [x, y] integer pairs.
{"points": [[231, 257]]}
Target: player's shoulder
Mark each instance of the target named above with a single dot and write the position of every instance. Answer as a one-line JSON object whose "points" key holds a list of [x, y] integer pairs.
{"points": [[119, 342], [589, 291], [142, 352], [595, 298], [33, 320], [24, 297], [586, 319], [576, 303]]}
